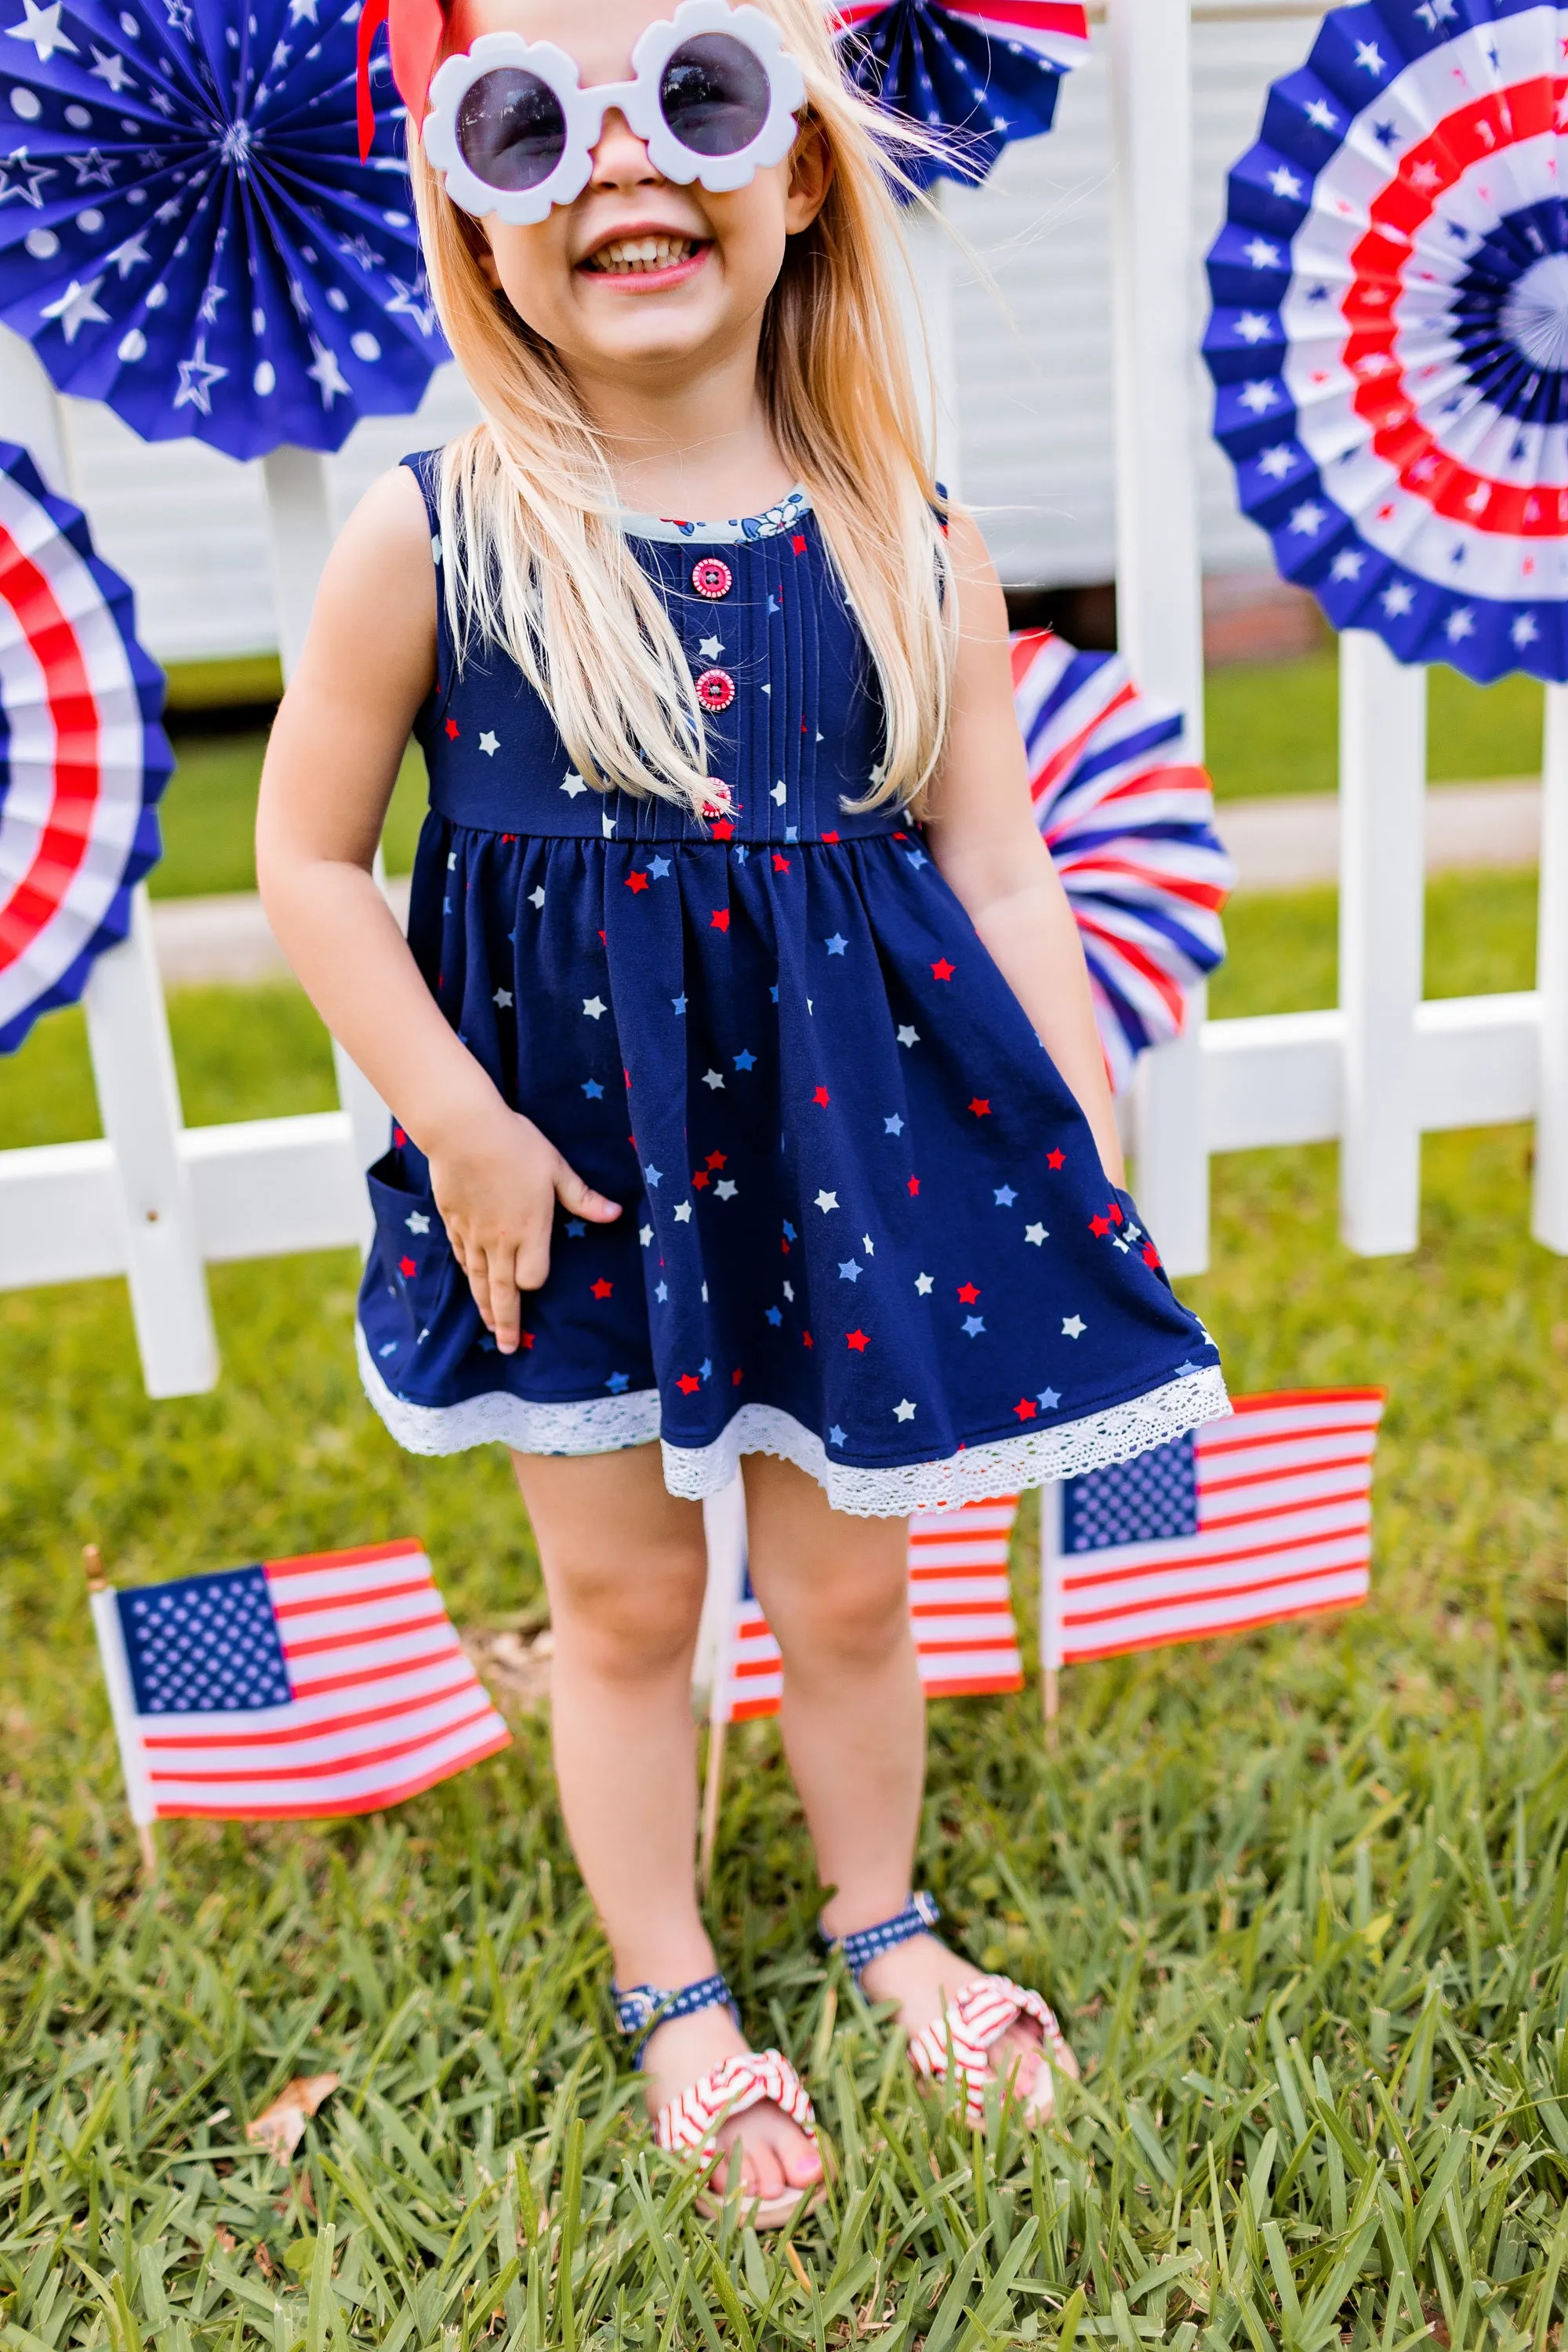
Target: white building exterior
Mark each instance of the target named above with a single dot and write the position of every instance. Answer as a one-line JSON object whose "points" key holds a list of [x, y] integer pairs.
{"points": [[1035, 382]]}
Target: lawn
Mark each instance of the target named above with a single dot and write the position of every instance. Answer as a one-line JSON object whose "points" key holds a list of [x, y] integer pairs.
{"points": [[1300, 1898], [1271, 729]]}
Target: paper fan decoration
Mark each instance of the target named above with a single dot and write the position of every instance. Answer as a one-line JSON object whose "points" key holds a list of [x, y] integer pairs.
{"points": [[982, 73], [186, 230], [1390, 330], [82, 757], [1129, 821]]}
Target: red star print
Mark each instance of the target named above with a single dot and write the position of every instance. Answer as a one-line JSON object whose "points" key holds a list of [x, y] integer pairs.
{"points": [[406, 1268], [784, 1246], [508, 837], [720, 919], [602, 1289], [914, 1188], [451, 730], [527, 1339], [636, 882], [717, 1160], [821, 1096], [1025, 1410], [797, 544], [808, 1340], [1151, 1255], [399, 1137], [689, 1384], [1099, 1227], [1056, 1160], [830, 836], [700, 1181], [723, 830], [859, 1340], [968, 1294], [781, 864], [943, 971], [1114, 1211], [736, 1377], [981, 1106]]}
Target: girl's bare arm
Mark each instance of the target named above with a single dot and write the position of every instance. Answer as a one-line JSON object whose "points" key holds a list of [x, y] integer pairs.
{"points": [[336, 747], [985, 841]]}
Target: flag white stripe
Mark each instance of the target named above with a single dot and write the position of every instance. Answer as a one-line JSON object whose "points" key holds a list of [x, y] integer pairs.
{"points": [[391, 1689], [934, 1559], [1081, 1602], [1189, 1619], [1289, 1421], [1284, 1458], [288, 1585], [1196, 1552], [266, 1758], [1280, 1495], [311, 1672], [928, 1592], [326, 1790], [350, 1621]]}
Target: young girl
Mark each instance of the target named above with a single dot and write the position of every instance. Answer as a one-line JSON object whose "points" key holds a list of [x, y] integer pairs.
{"points": [[748, 1092]]}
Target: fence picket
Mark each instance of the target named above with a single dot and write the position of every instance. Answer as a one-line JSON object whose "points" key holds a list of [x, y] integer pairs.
{"points": [[1549, 1220]]}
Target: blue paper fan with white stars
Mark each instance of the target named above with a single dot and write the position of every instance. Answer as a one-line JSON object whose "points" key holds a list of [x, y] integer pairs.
{"points": [[980, 72], [1389, 339], [186, 230]]}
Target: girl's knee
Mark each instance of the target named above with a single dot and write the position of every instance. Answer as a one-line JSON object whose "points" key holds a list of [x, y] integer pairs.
{"points": [[633, 1620], [851, 1624]]}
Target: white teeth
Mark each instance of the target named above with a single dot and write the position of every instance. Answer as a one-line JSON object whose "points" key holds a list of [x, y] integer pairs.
{"points": [[629, 255]]}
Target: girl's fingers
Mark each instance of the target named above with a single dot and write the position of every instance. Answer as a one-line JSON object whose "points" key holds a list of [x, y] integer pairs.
{"points": [[582, 1199], [505, 1317]]}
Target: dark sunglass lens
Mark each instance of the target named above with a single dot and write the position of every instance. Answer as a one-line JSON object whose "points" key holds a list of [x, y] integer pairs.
{"points": [[512, 129], [714, 94]]}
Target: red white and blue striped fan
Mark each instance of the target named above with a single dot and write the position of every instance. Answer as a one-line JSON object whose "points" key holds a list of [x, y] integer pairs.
{"points": [[1390, 330], [186, 229], [1129, 820], [83, 759], [983, 72]]}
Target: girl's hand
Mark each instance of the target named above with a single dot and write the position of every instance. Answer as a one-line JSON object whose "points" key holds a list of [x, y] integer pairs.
{"points": [[496, 1189]]}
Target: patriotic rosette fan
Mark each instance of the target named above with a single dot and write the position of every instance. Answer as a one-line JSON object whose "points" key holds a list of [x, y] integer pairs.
{"points": [[1129, 821], [982, 72], [1390, 330], [186, 229], [82, 757]]}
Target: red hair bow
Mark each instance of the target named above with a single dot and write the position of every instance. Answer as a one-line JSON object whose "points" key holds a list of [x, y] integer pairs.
{"points": [[415, 28]]}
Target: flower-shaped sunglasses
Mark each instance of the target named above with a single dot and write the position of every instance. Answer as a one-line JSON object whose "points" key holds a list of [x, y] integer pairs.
{"points": [[713, 95]]}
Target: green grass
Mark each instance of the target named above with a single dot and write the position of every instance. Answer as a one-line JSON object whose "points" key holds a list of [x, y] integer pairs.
{"points": [[208, 816], [1300, 1897], [1272, 727]]}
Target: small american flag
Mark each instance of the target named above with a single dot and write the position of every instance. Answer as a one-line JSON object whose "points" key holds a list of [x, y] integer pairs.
{"points": [[965, 1637], [292, 1690], [1244, 1522]]}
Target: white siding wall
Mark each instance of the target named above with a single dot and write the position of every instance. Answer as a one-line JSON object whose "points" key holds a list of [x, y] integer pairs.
{"points": [[187, 526]]}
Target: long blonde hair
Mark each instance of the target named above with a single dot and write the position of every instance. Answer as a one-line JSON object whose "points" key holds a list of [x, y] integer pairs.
{"points": [[537, 562]]}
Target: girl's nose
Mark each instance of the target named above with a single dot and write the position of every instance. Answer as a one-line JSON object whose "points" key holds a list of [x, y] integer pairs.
{"points": [[621, 159]]}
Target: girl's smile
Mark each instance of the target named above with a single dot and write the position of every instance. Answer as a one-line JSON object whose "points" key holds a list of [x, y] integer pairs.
{"points": [[644, 257]]}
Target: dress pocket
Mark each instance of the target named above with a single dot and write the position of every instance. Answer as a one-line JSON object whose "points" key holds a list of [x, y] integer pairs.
{"points": [[411, 1269]]}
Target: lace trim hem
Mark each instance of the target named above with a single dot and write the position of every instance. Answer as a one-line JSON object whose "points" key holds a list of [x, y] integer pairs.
{"points": [[980, 1473], [600, 1425]]}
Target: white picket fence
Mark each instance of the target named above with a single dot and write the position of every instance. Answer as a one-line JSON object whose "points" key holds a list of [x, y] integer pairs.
{"points": [[156, 1202]]}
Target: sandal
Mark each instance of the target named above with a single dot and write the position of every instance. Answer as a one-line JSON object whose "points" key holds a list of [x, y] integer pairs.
{"points": [[961, 2040], [752, 2078]]}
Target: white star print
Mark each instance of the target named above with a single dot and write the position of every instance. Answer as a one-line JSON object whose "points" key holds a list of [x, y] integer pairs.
{"points": [[1036, 1234], [593, 1006], [1050, 1400], [908, 1037], [1397, 599], [904, 1412], [1257, 396], [868, 1245], [645, 1236], [711, 649], [572, 786], [504, 998], [712, 1079], [418, 1222], [827, 1201], [725, 1190], [76, 309], [125, 257], [1073, 1326], [108, 67], [325, 373], [683, 1214], [780, 792], [42, 28], [923, 1285], [536, 898], [489, 744]]}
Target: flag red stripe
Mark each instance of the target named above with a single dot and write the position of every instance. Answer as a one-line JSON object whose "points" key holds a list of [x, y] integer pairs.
{"points": [[1228, 1592], [1210, 1560], [1301, 1470], [1125, 1648], [352, 1599], [374, 1802], [327, 1728], [383, 1673], [1281, 1512], [975, 1687], [312, 1563], [357, 1640], [339, 1765]]}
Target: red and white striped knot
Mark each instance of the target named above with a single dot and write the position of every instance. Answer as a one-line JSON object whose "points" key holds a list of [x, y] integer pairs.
{"points": [[962, 2039], [751, 2080]]}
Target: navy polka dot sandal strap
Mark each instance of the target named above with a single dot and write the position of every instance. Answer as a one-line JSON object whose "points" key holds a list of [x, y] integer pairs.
{"points": [[864, 1945], [641, 2008]]}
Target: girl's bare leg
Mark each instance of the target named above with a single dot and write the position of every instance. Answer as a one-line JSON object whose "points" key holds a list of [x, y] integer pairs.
{"points": [[836, 1592], [625, 1566]]}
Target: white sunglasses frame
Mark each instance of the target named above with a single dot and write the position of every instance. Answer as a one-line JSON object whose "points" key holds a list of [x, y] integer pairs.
{"points": [[584, 110]]}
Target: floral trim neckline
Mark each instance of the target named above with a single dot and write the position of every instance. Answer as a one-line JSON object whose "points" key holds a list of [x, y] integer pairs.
{"points": [[786, 516]]}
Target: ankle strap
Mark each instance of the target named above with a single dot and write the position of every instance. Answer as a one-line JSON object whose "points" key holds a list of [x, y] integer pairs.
{"points": [[919, 1916], [642, 2008]]}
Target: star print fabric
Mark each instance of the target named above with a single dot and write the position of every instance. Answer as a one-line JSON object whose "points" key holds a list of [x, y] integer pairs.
{"points": [[864, 1221]]}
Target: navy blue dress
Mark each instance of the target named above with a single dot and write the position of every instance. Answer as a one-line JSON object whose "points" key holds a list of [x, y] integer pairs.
{"points": [[865, 1223]]}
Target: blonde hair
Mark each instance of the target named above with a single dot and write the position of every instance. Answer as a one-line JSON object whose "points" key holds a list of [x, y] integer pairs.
{"points": [[538, 562]]}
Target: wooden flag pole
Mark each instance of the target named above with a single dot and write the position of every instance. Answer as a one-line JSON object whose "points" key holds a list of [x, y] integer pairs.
{"points": [[712, 1793], [97, 1581], [1050, 1609]]}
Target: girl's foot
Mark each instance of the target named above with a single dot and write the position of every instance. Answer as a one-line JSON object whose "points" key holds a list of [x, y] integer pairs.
{"points": [[923, 1975], [778, 2160]]}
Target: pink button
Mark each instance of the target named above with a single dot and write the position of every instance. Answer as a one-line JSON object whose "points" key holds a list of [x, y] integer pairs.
{"points": [[715, 689], [712, 578]]}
